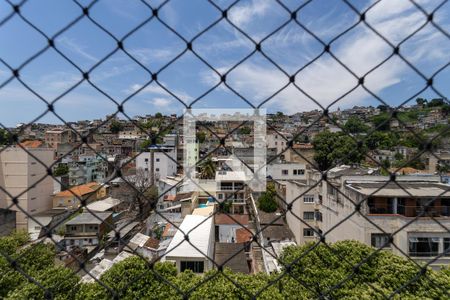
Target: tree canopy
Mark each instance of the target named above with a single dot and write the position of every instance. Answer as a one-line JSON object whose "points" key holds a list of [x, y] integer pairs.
{"points": [[266, 201], [332, 149], [343, 270]]}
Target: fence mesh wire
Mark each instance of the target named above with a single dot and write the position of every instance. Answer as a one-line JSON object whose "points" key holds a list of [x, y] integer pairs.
{"points": [[152, 77]]}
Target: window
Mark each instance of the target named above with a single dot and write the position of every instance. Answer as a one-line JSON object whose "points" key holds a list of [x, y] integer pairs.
{"points": [[284, 172], [220, 196], [308, 232], [157, 169], [423, 246], [194, 266], [146, 169], [308, 199], [318, 216], [295, 172], [446, 246], [300, 172], [308, 215], [380, 240], [146, 160], [157, 160]]}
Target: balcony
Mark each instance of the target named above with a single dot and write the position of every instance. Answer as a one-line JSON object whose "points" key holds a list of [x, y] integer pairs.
{"points": [[409, 207]]}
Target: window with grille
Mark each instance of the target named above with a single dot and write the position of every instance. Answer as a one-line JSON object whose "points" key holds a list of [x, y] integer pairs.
{"points": [[308, 199]]}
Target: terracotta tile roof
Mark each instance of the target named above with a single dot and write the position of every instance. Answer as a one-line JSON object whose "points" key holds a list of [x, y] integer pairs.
{"points": [[32, 144], [243, 235], [225, 219], [79, 190]]}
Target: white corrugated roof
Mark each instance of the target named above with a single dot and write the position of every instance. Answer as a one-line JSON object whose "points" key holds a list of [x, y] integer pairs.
{"points": [[199, 237], [103, 205], [139, 239]]}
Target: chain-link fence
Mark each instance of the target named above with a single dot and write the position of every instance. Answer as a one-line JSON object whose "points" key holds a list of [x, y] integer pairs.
{"points": [[344, 183]]}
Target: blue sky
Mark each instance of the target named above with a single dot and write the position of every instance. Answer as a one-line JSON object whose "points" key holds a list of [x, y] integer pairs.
{"points": [[256, 79]]}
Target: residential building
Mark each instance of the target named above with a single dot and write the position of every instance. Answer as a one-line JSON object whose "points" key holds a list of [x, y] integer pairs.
{"points": [[71, 198], [49, 219], [286, 171], [24, 176], [164, 162], [88, 168], [226, 226], [200, 230], [231, 187], [87, 229], [58, 136], [305, 215], [278, 141], [414, 209]]}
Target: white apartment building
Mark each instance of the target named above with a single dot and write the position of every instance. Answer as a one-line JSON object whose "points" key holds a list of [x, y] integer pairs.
{"points": [[399, 208], [231, 187], [286, 171], [305, 216], [164, 161], [18, 172]]}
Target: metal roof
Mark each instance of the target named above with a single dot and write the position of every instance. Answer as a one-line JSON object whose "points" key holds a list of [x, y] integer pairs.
{"points": [[199, 237], [89, 218]]}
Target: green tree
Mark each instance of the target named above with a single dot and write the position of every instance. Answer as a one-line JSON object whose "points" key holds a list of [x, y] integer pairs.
{"points": [[207, 169], [436, 102], [267, 200], [134, 278], [382, 121], [245, 130], [201, 136], [115, 126], [61, 169], [331, 149], [59, 282], [381, 140], [158, 115], [4, 137], [421, 102], [324, 268], [355, 125]]}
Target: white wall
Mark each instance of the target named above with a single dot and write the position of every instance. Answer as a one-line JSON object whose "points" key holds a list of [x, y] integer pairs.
{"points": [[275, 170], [163, 165]]}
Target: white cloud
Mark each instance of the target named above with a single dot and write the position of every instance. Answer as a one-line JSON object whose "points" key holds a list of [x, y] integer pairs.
{"points": [[157, 90], [76, 47], [161, 102], [360, 50], [146, 55], [241, 15]]}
